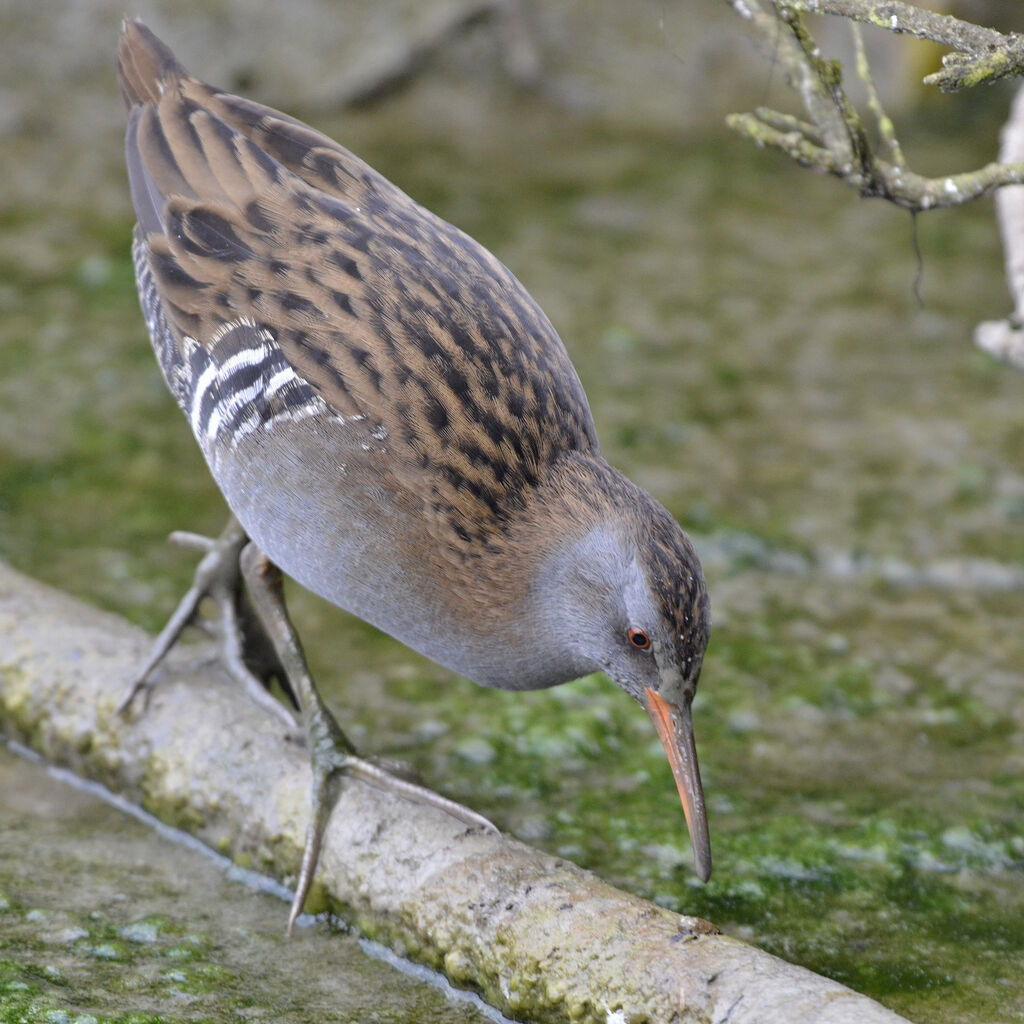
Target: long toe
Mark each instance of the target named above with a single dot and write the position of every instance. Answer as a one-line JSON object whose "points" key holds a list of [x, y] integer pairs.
{"points": [[329, 762], [242, 642]]}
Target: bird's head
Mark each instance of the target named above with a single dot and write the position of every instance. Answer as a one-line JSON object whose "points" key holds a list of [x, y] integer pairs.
{"points": [[638, 610], [657, 655]]}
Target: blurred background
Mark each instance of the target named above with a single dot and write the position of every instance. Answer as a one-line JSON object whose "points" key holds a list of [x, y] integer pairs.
{"points": [[762, 352]]}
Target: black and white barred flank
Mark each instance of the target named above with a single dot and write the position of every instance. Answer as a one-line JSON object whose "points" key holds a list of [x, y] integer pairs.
{"points": [[231, 384]]}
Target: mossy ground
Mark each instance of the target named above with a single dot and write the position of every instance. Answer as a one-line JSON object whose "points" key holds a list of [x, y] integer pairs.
{"points": [[755, 356]]}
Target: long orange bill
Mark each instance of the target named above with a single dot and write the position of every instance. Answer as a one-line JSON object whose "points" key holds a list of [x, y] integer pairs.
{"points": [[675, 730]]}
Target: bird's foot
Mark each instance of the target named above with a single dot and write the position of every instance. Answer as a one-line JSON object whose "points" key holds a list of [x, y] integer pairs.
{"points": [[244, 644], [331, 752], [331, 756]]}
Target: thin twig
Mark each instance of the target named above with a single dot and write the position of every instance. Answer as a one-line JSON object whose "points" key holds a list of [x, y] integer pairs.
{"points": [[886, 129]]}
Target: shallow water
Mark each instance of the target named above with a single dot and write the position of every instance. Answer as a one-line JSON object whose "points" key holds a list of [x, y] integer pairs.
{"points": [[104, 919], [754, 353]]}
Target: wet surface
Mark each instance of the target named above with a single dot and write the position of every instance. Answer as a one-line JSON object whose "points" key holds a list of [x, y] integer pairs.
{"points": [[103, 919], [755, 356]]}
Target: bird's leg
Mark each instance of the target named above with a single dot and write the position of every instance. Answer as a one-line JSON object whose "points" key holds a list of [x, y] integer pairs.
{"points": [[244, 643], [330, 750]]}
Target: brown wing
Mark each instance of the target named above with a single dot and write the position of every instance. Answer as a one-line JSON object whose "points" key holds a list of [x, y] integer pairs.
{"points": [[384, 309]]}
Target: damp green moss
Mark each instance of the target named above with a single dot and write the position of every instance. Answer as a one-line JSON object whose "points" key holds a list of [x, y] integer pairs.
{"points": [[755, 356], [116, 924], [62, 962]]}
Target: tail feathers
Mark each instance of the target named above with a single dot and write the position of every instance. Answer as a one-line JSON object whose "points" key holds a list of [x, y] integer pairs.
{"points": [[145, 65], [187, 144]]}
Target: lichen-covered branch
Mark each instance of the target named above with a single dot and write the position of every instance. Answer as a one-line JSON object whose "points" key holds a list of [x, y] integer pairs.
{"points": [[886, 129], [980, 55], [886, 180], [538, 937], [833, 138], [906, 18]]}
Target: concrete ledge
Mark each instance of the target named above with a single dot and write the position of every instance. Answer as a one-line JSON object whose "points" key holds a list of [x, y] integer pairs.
{"points": [[540, 938]]}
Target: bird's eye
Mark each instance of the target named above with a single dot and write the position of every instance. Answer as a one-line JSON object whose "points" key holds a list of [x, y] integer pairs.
{"points": [[638, 638]]}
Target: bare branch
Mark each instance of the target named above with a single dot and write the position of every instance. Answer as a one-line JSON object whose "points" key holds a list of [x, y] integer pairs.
{"points": [[902, 17], [980, 55], [833, 138], [960, 71], [888, 180]]}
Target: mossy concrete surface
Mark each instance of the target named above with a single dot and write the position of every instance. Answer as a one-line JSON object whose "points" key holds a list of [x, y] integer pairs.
{"points": [[541, 938]]}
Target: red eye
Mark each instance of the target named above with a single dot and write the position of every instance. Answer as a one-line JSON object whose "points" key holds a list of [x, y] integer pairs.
{"points": [[638, 638]]}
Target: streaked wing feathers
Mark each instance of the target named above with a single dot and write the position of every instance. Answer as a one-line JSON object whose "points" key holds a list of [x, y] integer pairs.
{"points": [[384, 309]]}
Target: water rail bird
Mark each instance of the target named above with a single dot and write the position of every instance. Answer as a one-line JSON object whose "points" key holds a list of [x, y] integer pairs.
{"points": [[393, 422]]}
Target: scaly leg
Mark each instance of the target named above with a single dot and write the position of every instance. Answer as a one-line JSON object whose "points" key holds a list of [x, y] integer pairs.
{"points": [[244, 644], [330, 750]]}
